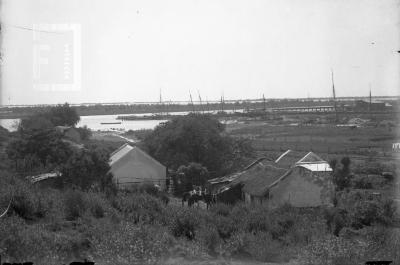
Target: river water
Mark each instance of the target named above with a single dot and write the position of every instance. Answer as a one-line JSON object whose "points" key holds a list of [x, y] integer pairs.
{"points": [[93, 122]]}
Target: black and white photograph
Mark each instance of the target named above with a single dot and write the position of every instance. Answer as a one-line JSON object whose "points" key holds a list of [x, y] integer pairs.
{"points": [[199, 132]]}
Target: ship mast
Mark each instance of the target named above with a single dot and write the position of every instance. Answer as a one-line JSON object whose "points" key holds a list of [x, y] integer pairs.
{"points": [[201, 103], [191, 101], [334, 96]]}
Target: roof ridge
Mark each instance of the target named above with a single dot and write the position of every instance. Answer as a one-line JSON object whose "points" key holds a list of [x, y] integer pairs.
{"points": [[312, 162], [308, 155], [283, 155], [254, 163], [118, 149]]}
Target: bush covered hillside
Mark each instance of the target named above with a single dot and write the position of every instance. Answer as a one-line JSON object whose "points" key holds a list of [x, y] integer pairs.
{"points": [[49, 226], [84, 216]]}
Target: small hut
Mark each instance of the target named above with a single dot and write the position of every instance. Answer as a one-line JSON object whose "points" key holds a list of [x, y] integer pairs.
{"points": [[131, 166]]}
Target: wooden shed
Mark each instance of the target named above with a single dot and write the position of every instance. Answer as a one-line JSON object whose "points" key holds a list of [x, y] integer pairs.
{"points": [[132, 166]]}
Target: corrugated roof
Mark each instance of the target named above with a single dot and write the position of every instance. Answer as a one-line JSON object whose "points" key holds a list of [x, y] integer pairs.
{"points": [[317, 167], [314, 163]]}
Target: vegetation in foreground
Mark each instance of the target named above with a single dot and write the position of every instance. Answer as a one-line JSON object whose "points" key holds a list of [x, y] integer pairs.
{"points": [[50, 226], [86, 218]]}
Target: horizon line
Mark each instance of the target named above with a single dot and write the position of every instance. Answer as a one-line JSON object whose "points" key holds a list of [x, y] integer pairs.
{"points": [[196, 101]]}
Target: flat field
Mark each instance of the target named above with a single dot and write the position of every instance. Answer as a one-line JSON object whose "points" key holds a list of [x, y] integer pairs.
{"points": [[322, 139]]}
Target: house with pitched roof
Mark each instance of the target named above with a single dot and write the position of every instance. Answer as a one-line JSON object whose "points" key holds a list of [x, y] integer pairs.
{"points": [[308, 183], [132, 166], [305, 183]]}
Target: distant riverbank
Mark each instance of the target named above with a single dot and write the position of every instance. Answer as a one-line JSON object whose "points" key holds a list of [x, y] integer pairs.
{"points": [[98, 123]]}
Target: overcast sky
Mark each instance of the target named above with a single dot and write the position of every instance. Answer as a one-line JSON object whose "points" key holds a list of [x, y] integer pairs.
{"points": [[126, 50]]}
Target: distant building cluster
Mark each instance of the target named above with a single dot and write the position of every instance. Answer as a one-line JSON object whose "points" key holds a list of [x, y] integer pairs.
{"points": [[302, 183]]}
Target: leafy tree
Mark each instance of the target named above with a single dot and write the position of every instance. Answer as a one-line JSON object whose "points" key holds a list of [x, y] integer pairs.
{"points": [[45, 146], [86, 169], [37, 144], [194, 174], [60, 115], [193, 138], [84, 132], [341, 175], [34, 123], [4, 134], [63, 115]]}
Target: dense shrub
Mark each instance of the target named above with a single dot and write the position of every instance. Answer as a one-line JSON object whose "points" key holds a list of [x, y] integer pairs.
{"points": [[281, 225], [96, 204], [152, 190], [132, 244], [221, 209], [331, 250], [336, 218], [357, 209], [27, 201], [185, 223], [21, 242], [364, 214], [87, 169], [372, 243], [10, 238], [389, 212], [307, 227], [257, 220], [137, 228], [373, 168], [75, 204], [208, 237], [368, 181], [139, 207], [259, 246], [225, 226], [145, 188], [84, 132], [239, 210], [262, 247], [23, 206]]}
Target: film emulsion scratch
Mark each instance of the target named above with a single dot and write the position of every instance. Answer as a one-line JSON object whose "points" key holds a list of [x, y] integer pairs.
{"points": [[199, 132]]}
